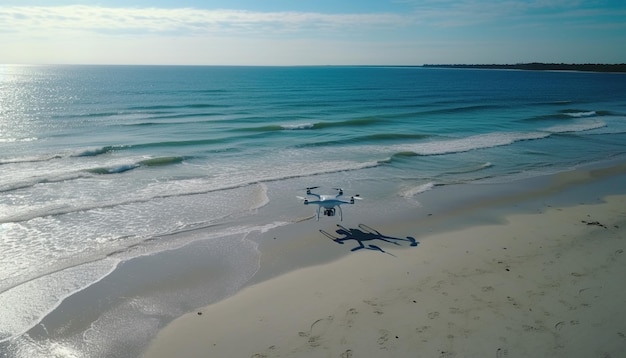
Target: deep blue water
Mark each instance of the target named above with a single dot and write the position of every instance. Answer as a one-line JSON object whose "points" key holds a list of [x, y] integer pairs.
{"points": [[99, 163]]}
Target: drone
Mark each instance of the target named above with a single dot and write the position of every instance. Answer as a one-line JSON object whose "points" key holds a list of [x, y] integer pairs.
{"points": [[328, 202]]}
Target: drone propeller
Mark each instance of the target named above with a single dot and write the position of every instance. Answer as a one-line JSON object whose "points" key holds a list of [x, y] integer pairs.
{"points": [[357, 197], [312, 187], [301, 198]]}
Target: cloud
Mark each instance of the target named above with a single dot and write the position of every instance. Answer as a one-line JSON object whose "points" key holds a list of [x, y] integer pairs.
{"points": [[81, 19], [184, 21], [455, 13]]}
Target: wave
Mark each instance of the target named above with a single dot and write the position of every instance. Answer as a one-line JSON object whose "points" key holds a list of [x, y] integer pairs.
{"points": [[471, 169], [98, 151], [161, 161], [460, 109], [580, 126], [297, 126], [558, 103], [575, 113], [567, 114], [33, 159], [152, 162], [181, 143], [393, 136], [145, 110], [115, 148], [91, 152], [116, 169], [413, 191], [15, 140], [174, 119], [358, 122], [466, 144], [372, 138], [113, 170], [404, 154], [32, 181], [178, 107]]}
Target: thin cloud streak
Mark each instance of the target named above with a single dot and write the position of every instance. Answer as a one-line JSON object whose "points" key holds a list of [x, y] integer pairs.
{"points": [[186, 21], [190, 21]]}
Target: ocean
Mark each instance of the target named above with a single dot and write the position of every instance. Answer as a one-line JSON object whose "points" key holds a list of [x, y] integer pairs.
{"points": [[107, 166]]}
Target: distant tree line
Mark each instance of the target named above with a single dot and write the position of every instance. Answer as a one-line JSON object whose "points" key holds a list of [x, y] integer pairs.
{"points": [[538, 66]]}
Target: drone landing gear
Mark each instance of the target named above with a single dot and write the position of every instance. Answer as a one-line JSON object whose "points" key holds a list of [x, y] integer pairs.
{"points": [[330, 212]]}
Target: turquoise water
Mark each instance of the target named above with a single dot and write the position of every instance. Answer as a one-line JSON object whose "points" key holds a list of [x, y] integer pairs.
{"points": [[103, 164]]}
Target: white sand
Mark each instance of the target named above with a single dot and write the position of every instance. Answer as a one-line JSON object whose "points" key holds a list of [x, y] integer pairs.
{"points": [[539, 285]]}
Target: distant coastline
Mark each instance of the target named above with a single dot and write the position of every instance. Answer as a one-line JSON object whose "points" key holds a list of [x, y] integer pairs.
{"points": [[537, 66]]}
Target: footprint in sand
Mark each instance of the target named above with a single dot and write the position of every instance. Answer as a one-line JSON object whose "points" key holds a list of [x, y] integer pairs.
{"points": [[502, 353], [384, 337], [346, 354], [559, 325], [260, 355], [349, 321], [375, 305], [616, 254], [512, 301], [319, 327]]}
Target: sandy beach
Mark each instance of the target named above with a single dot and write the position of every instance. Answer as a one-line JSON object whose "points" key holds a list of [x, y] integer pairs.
{"points": [[542, 283]]}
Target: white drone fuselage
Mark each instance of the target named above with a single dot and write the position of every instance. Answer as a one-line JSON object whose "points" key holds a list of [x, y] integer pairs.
{"points": [[329, 203]]}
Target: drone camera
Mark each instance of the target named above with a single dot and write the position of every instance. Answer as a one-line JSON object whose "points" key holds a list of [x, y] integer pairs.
{"points": [[329, 212]]}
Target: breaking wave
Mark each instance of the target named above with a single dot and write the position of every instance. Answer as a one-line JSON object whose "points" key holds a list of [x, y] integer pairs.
{"points": [[78, 174], [113, 170], [466, 144], [567, 114], [413, 191], [580, 126], [98, 151]]}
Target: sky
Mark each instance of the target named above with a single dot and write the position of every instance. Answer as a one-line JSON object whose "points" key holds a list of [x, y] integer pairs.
{"points": [[311, 32]]}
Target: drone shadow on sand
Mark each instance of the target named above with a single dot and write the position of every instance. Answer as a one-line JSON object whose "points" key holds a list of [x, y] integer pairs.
{"points": [[365, 234]]}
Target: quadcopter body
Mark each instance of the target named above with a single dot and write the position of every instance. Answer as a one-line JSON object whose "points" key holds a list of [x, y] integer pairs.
{"points": [[331, 204]]}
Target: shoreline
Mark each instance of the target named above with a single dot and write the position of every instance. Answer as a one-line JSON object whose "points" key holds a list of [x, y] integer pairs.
{"points": [[529, 281]]}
